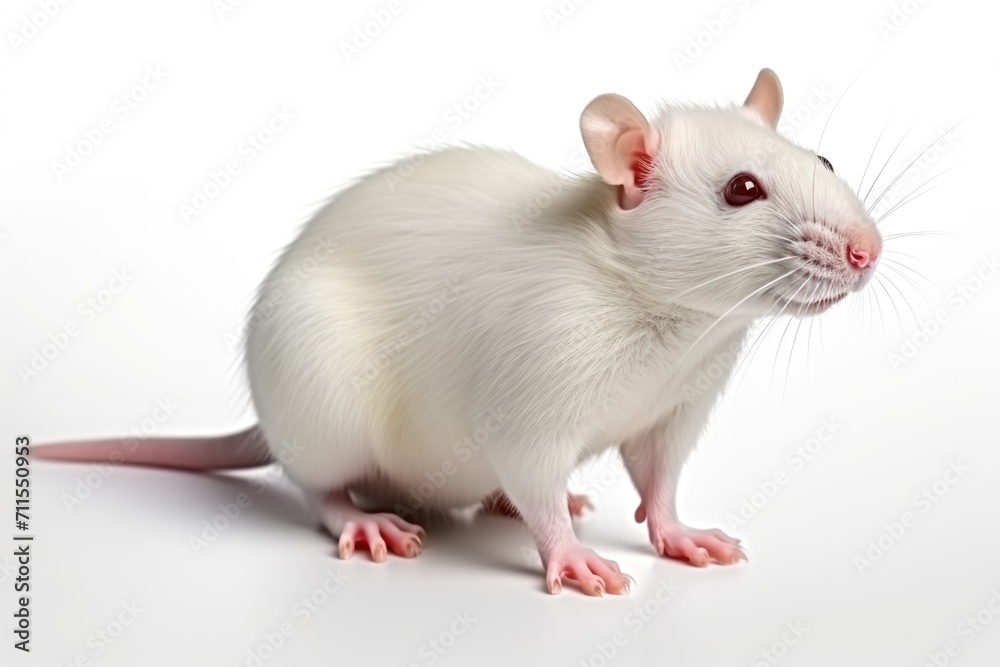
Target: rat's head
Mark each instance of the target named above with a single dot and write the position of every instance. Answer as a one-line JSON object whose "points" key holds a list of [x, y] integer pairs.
{"points": [[723, 214]]}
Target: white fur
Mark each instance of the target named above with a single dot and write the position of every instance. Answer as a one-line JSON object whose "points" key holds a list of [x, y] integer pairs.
{"points": [[557, 336]]}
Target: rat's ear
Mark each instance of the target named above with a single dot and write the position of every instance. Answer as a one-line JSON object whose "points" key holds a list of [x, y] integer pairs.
{"points": [[620, 143], [765, 98]]}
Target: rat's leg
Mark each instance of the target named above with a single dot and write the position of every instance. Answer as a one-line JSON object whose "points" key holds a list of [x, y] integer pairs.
{"points": [[380, 531], [540, 498], [654, 461], [498, 504]]}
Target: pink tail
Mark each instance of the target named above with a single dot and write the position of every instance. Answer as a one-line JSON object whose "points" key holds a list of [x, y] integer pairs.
{"points": [[246, 449]]}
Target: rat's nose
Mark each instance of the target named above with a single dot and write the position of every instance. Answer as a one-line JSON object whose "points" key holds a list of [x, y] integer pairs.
{"points": [[862, 256], [858, 258]]}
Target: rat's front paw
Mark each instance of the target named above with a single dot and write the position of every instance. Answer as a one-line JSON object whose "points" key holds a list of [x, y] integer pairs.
{"points": [[698, 547], [594, 575]]}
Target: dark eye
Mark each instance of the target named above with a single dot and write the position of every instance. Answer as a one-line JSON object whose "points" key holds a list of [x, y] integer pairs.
{"points": [[743, 189], [826, 163]]}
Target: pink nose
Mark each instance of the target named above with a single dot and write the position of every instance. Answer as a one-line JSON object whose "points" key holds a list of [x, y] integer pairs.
{"points": [[860, 258]]}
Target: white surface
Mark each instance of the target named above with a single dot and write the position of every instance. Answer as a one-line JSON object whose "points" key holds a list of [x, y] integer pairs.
{"points": [[167, 336]]}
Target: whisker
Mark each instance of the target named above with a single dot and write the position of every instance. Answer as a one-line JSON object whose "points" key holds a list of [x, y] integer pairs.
{"points": [[887, 160], [734, 307], [926, 181], [926, 233], [837, 103], [776, 236], [913, 284], [878, 306], [861, 183], [732, 273], [905, 300], [788, 366], [910, 197], [751, 351], [893, 251], [819, 292], [812, 321], [914, 160], [822, 133], [901, 265], [858, 311], [861, 307], [747, 351], [777, 353], [899, 319]]}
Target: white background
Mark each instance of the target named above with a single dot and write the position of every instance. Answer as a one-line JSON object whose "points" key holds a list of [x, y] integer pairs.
{"points": [[168, 335]]}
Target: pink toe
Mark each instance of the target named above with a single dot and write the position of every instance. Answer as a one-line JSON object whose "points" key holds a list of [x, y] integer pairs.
{"points": [[346, 546], [699, 547], [594, 575]]}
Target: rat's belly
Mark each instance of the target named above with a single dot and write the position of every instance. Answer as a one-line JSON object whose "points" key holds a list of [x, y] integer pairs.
{"points": [[443, 467]]}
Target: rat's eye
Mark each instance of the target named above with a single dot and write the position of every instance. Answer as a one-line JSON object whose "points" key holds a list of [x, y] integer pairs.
{"points": [[743, 189], [826, 163]]}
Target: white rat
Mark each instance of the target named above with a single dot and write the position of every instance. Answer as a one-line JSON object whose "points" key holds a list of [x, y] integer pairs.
{"points": [[425, 342]]}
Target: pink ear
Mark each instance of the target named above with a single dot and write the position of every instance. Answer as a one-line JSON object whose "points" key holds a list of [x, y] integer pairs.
{"points": [[765, 98], [620, 143]]}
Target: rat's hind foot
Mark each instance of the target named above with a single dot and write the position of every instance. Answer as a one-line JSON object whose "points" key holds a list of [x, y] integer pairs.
{"points": [[595, 575], [498, 504], [698, 547], [382, 533]]}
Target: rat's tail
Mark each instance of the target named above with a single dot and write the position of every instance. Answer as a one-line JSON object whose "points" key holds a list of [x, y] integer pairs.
{"points": [[246, 449]]}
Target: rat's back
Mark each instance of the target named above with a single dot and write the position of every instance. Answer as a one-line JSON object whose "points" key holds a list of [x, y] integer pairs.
{"points": [[394, 304]]}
